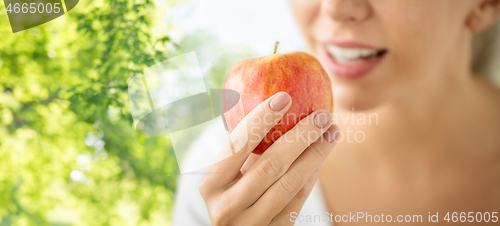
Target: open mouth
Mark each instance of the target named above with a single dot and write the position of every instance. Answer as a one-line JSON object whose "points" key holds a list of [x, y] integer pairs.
{"points": [[354, 56]]}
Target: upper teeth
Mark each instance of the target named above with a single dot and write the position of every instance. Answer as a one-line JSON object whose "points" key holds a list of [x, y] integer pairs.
{"points": [[345, 55]]}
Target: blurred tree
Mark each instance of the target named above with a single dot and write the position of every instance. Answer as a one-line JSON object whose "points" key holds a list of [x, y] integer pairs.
{"points": [[68, 152]]}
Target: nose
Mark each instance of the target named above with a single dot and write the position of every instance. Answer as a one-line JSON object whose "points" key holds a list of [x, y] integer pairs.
{"points": [[346, 10]]}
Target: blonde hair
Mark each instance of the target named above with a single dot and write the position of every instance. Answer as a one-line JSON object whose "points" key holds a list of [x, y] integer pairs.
{"points": [[486, 53]]}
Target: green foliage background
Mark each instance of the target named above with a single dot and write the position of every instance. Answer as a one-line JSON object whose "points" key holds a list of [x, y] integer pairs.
{"points": [[64, 111]]}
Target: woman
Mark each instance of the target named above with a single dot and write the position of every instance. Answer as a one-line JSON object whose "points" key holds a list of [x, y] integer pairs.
{"points": [[433, 150]]}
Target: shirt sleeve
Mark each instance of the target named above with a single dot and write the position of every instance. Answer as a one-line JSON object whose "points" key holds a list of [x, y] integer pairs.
{"points": [[189, 208]]}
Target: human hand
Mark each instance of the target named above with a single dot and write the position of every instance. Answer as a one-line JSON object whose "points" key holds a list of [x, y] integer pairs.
{"points": [[245, 189]]}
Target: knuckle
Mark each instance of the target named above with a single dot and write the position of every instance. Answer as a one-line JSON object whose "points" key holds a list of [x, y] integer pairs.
{"points": [[290, 183], [271, 167], [238, 142], [303, 135], [302, 194], [220, 220], [317, 152], [205, 187], [255, 116], [221, 215]]}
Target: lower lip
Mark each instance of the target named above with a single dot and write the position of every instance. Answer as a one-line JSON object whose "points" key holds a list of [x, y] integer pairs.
{"points": [[351, 71]]}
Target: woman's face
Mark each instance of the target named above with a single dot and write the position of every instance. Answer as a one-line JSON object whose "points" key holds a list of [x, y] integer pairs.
{"points": [[376, 51]]}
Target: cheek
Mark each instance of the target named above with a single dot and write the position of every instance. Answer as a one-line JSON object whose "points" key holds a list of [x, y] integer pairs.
{"points": [[306, 13], [409, 25], [416, 18], [305, 10], [421, 33]]}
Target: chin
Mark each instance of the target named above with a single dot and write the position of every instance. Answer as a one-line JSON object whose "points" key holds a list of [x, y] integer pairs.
{"points": [[349, 98]]}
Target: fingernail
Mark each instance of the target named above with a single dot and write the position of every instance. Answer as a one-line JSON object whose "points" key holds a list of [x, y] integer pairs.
{"points": [[322, 119], [332, 133], [245, 169], [279, 101]]}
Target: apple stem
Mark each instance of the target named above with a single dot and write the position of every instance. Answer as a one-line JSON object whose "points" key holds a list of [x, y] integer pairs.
{"points": [[276, 47]]}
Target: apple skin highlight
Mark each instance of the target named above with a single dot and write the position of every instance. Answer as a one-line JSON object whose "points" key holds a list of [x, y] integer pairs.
{"points": [[298, 74]]}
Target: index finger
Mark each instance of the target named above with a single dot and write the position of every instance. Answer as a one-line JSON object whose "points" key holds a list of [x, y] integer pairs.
{"points": [[247, 135]]}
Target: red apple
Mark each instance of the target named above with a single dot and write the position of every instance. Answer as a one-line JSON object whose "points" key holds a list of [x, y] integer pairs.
{"points": [[299, 74]]}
